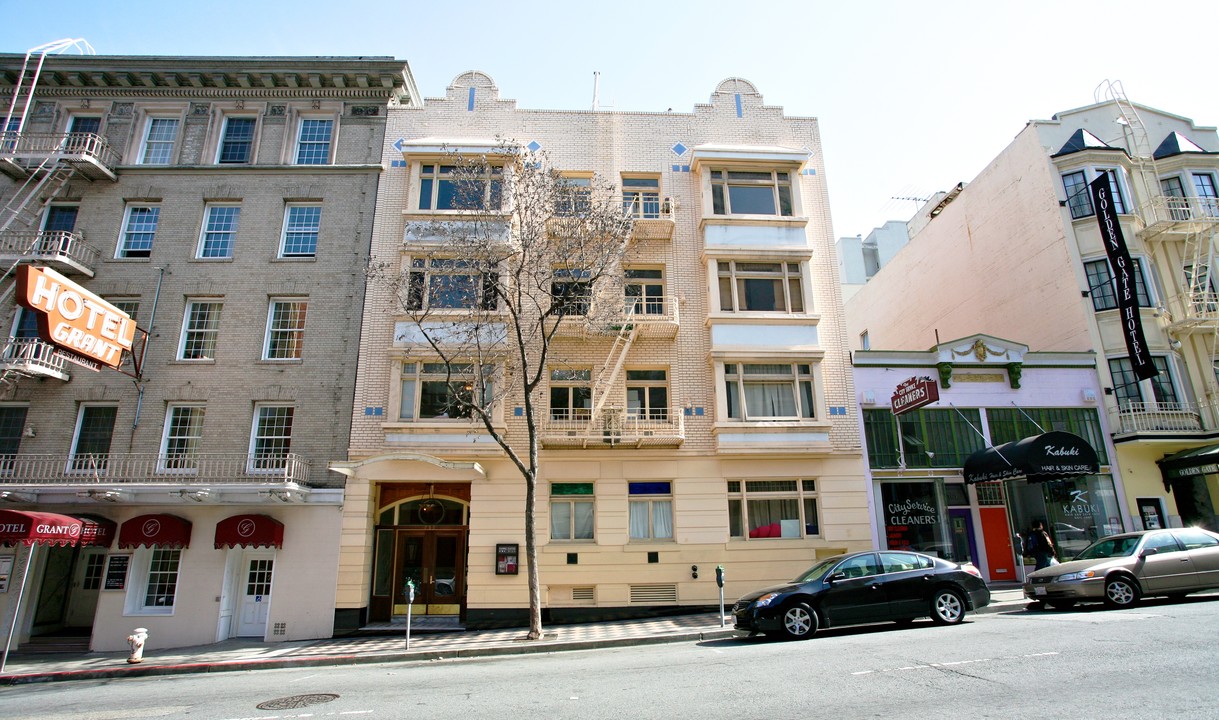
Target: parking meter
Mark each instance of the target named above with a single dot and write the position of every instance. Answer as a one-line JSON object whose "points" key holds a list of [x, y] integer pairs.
{"points": [[719, 580], [409, 591]]}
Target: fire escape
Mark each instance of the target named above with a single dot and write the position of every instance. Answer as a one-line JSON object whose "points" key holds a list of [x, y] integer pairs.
{"points": [[41, 166], [1183, 228]]}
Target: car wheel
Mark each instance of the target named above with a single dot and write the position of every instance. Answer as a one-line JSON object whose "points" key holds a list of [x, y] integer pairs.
{"points": [[947, 607], [799, 622], [1121, 592], [1062, 604]]}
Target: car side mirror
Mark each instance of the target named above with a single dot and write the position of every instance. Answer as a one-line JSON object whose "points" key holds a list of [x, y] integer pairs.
{"points": [[1149, 552], [836, 577]]}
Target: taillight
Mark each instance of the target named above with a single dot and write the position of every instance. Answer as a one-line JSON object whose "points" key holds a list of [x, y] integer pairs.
{"points": [[971, 569]]}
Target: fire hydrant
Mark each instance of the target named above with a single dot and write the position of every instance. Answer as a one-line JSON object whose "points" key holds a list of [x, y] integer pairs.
{"points": [[136, 641]]}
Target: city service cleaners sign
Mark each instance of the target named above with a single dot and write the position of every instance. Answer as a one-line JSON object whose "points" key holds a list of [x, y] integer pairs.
{"points": [[914, 393], [74, 319], [1123, 277]]}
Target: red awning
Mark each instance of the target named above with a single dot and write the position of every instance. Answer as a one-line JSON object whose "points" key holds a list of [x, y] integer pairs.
{"points": [[163, 530], [38, 527], [97, 531], [250, 531]]}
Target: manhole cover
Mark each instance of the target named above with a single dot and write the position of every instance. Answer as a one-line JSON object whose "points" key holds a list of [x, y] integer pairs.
{"points": [[297, 701]]}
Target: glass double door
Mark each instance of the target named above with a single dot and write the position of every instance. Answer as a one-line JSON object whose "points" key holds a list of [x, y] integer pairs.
{"points": [[434, 561]]}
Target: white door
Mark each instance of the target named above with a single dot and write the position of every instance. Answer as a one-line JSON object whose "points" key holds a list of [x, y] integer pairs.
{"points": [[86, 581], [255, 592]]}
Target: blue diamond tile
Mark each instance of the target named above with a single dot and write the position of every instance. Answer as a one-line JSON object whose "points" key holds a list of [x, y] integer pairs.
{"points": [[680, 149], [534, 146]]}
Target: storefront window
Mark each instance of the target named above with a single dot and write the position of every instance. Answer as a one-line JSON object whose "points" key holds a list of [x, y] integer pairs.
{"points": [[914, 518], [1076, 511]]}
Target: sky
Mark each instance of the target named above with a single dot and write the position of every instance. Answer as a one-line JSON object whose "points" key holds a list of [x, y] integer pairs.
{"points": [[911, 98]]}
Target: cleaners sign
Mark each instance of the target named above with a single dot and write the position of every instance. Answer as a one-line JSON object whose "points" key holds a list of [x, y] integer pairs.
{"points": [[915, 393], [74, 319]]}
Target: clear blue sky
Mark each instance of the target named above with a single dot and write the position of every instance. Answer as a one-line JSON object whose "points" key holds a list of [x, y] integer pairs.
{"points": [[912, 97]]}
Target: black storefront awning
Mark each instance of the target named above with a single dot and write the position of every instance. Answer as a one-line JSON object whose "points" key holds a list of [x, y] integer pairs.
{"points": [[1050, 456], [1189, 463]]}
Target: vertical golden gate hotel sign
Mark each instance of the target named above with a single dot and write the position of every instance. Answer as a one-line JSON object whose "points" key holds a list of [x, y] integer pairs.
{"points": [[74, 319]]}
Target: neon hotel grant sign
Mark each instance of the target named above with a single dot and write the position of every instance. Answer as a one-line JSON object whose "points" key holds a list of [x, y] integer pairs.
{"points": [[74, 319]]}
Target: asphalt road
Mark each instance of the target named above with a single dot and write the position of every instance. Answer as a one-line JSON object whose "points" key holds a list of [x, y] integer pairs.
{"points": [[1154, 661]]}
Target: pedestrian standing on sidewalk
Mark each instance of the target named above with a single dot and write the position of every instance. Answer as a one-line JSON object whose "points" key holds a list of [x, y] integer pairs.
{"points": [[1040, 546]]}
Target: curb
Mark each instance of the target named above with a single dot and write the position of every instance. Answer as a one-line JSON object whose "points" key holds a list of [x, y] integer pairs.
{"points": [[134, 671]]}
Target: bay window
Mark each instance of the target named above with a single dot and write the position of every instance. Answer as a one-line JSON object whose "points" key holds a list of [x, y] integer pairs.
{"points": [[450, 284], [773, 509], [436, 391], [751, 192], [769, 391], [449, 187], [760, 286]]}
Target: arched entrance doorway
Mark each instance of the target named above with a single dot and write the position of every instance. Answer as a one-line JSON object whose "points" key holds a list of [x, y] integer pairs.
{"points": [[421, 536]]}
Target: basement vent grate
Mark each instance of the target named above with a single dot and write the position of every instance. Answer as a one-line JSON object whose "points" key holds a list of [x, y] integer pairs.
{"points": [[582, 593], [653, 593], [280, 628]]}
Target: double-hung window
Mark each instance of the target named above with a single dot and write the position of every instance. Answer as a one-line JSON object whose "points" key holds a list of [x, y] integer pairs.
{"points": [[773, 509], [313, 141], [91, 445], [449, 187], [285, 339], [760, 286], [12, 427], [645, 291], [571, 394], [751, 192], [1079, 194], [236, 141], [155, 578], [573, 196], [180, 442], [139, 230], [302, 223], [1102, 289], [200, 328], [219, 231], [571, 511], [1174, 193], [159, 138], [651, 510], [641, 197], [450, 284], [769, 391], [433, 390], [271, 439], [571, 291], [647, 394], [1204, 188]]}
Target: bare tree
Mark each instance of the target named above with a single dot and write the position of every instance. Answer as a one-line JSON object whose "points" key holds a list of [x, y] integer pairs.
{"points": [[524, 252]]}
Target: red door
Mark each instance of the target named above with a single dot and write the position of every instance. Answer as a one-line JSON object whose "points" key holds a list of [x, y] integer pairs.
{"points": [[1000, 563]]}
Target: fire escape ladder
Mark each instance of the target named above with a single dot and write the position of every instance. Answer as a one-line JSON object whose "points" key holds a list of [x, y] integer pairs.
{"points": [[608, 375]]}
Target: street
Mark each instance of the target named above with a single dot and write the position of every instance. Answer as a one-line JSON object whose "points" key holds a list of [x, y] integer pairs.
{"points": [[1153, 661]]}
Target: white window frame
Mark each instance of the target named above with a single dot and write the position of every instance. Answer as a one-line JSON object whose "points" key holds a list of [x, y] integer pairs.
{"points": [[722, 178], [185, 462], [734, 271], [294, 332], [645, 411], [141, 575], [148, 141], [650, 504], [642, 202], [571, 379], [299, 144], [427, 275], [300, 229], [188, 331], [643, 303], [224, 129], [741, 492], [206, 231], [798, 379], [413, 374], [265, 466], [432, 177], [571, 501], [124, 250]]}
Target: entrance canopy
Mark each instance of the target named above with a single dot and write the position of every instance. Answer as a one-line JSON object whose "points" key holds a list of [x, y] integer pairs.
{"points": [[1189, 463], [162, 530], [39, 527], [249, 531], [1050, 456], [97, 531]]}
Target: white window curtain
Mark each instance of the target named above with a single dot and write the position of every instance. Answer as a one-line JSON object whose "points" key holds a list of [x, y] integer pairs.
{"points": [[584, 520], [560, 521], [774, 399], [662, 519]]}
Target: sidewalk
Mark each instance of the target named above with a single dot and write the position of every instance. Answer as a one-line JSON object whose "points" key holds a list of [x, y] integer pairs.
{"points": [[234, 655]]}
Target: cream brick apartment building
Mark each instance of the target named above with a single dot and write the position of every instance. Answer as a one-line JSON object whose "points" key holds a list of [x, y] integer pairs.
{"points": [[226, 204], [1018, 253], [743, 302]]}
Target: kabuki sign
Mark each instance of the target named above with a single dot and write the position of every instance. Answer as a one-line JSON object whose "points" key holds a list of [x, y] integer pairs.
{"points": [[74, 319], [915, 393]]}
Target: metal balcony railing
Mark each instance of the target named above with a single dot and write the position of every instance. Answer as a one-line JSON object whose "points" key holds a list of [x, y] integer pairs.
{"points": [[614, 425], [31, 356], [88, 148], [652, 215], [149, 468], [1139, 417], [1165, 212], [56, 247], [1194, 311]]}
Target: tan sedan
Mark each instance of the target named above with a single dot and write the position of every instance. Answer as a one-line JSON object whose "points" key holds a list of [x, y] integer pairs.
{"points": [[1119, 570]]}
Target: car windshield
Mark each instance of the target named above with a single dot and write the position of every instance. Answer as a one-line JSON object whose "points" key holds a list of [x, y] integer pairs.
{"points": [[817, 571], [1110, 548]]}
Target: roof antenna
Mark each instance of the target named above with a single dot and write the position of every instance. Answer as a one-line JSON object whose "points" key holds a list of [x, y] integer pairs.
{"points": [[596, 90]]}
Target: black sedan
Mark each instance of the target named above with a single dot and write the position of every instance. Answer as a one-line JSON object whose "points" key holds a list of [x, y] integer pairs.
{"points": [[864, 587]]}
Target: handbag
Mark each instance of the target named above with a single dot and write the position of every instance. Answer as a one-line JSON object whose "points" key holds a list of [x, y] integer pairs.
{"points": [[1053, 561]]}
